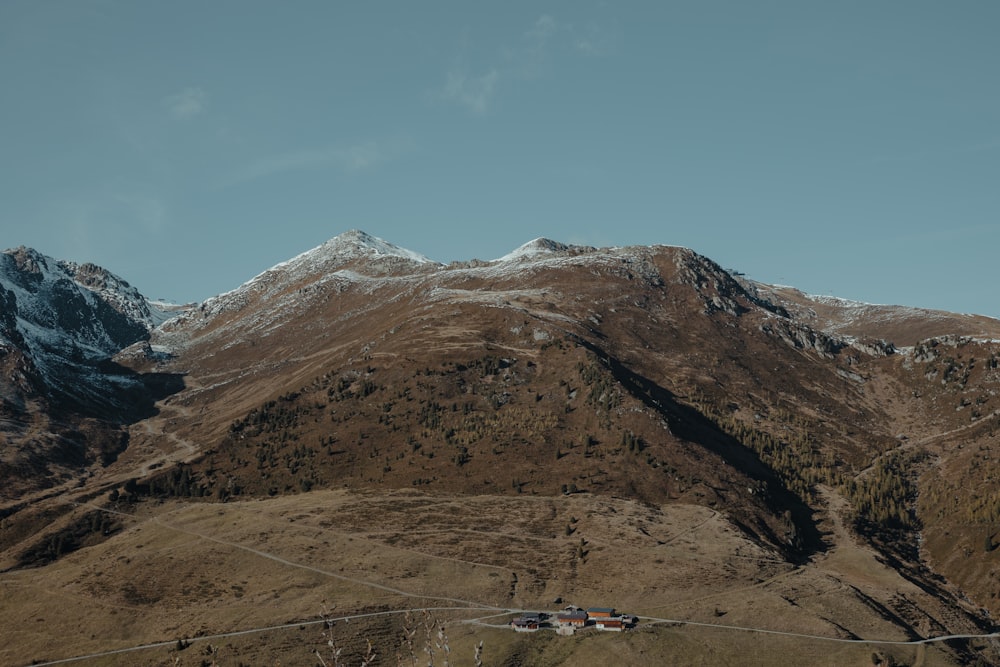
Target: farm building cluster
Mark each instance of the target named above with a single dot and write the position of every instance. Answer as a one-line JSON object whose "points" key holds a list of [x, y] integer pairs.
{"points": [[573, 618]]}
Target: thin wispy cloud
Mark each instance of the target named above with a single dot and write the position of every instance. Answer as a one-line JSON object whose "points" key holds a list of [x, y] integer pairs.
{"points": [[348, 159], [528, 56], [593, 39], [187, 104], [541, 29], [473, 92]]}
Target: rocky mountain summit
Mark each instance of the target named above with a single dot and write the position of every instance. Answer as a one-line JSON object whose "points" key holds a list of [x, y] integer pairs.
{"points": [[60, 324], [563, 373]]}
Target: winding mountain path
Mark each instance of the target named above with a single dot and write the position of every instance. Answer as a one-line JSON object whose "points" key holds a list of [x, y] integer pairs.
{"points": [[840, 533]]}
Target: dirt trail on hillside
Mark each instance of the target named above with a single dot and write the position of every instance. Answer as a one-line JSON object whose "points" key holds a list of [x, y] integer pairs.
{"points": [[928, 440]]}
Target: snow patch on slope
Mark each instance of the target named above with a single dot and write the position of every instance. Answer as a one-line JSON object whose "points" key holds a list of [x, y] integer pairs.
{"points": [[319, 264], [66, 318], [532, 249], [348, 246]]}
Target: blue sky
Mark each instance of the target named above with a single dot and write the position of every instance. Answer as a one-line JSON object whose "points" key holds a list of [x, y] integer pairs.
{"points": [[845, 148]]}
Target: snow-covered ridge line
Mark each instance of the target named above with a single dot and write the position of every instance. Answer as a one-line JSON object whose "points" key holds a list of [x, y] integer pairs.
{"points": [[326, 258], [28, 274], [66, 318], [358, 257], [835, 300], [534, 248], [841, 302], [542, 247], [353, 244], [851, 304]]}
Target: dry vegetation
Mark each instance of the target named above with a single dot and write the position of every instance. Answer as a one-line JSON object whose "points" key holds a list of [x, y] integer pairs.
{"points": [[640, 433], [193, 572]]}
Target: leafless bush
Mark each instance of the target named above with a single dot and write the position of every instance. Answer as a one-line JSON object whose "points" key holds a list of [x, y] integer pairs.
{"points": [[334, 650]]}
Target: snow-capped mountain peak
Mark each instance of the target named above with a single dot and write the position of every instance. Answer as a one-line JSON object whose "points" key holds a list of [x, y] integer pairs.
{"points": [[335, 254], [60, 324], [66, 317], [356, 243], [349, 254], [539, 246]]}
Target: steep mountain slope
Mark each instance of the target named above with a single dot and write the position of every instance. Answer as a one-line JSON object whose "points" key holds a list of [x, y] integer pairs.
{"points": [[574, 376], [648, 372], [62, 397]]}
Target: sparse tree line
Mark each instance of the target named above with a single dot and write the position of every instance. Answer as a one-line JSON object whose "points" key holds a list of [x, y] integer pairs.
{"points": [[884, 497], [271, 440], [460, 415], [886, 494], [796, 458], [92, 527], [974, 496]]}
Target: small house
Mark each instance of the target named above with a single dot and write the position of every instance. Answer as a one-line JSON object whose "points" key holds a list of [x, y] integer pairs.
{"points": [[600, 612], [610, 624], [575, 618], [526, 623]]}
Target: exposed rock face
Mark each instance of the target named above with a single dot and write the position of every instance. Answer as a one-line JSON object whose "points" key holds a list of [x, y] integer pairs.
{"points": [[60, 324], [61, 305], [802, 337]]}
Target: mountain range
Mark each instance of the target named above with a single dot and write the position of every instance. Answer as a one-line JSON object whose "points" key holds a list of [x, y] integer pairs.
{"points": [[840, 457]]}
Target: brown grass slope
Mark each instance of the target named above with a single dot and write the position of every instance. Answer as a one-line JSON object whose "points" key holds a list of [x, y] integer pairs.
{"points": [[644, 376]]}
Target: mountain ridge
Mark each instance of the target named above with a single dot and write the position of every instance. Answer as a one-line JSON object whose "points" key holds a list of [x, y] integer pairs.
{"points": [[561, 373], [63, 399]]}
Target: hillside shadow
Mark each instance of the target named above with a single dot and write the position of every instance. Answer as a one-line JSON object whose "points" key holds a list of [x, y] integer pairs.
{"points": [[119, 395], [139, 402], [691, 425]]}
